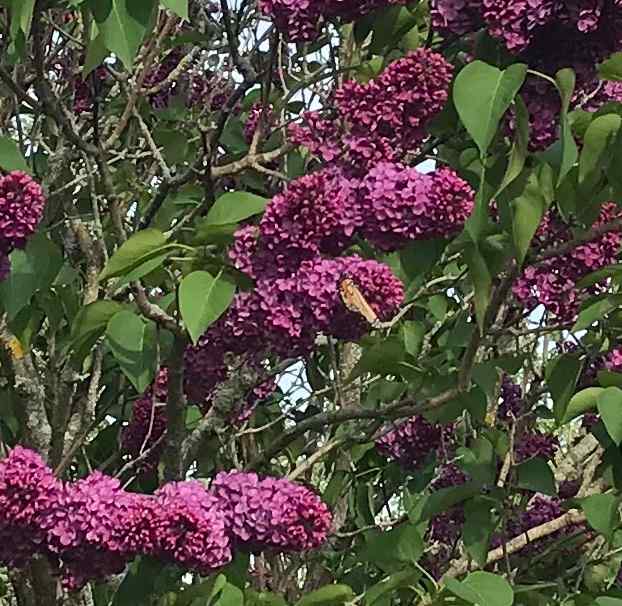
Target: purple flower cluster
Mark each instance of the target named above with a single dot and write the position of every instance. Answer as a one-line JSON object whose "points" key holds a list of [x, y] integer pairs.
{"points": [[548, 35], [552, 283], [159, 74], [411, 442], [401, 204], [28, 489], [446, 527], [532, 444], [511, 405], [301, 20], [148, 424], [271, 512], [258, 116], [21, 207], [384, 118], [83, 98], [91, 528]]}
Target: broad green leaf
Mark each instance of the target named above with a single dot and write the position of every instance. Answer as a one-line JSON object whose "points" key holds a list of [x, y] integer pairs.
{"points": [[420, 256], [477, 529], [611, 68], [32, 269], [518, 155], [601, 511], [10, 156], [482, 94], [609, 404], [536, 475], [478, 460], [608, 601], [330, 595], [414, 333], [125, 335], [582, 402], [95, 55], [565, 80], [527, 212], [144, 269], [139, 249], [596, 150], [482, 281], [234, 207], [91, 322], [382, 358], [179, 7], [230, 596], [123, 25], [562, 375], [388, 585], [594, 312], [444, 498], [389, 548], [264, 598], [202, 300], [21, 17], [483, 589]]}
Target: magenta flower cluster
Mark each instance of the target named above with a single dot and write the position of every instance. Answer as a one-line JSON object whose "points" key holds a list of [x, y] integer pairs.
{"points": [[258, 116], [301, 20], [530, 444], [552, 283], [21, 207], [548, 35], [383, 119], [271, 512], [91, 528]]}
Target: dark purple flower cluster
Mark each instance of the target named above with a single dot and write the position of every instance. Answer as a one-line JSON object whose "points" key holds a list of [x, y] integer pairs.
{"points": [[511, 405], [91, 528], [540, 511], [446, 527], [301, 20], [145, 431], [530, 444], [568, 489], [159, 74], [83, 97], [271, 512], [411, 442], [548, 35], [384, 118], [21, 207], [258, 116], [552, 283]]}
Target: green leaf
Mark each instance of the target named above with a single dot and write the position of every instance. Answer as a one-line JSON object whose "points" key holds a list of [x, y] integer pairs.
{"points": [[601, 511], [91, 322], [179, 7], [32, 269], [141, 247], [444, 498], [230, 596], [21, 17], [387, 549], [528, 209], [202, 300], [482, 281], [328, 595], [95, 55], [477, 529], [608, 601], [234, 207], [264, 598], [388, 585], [479, 460], [482, 94], [125, 335], [414, 333], [483, 589], [421, 256], [565, 79], [596, 150], [582, 402], [596, 311], [611, 69], [536, 475], [562, 375], [518, 155], [609, 404], [123, 25], [10, 156]]}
